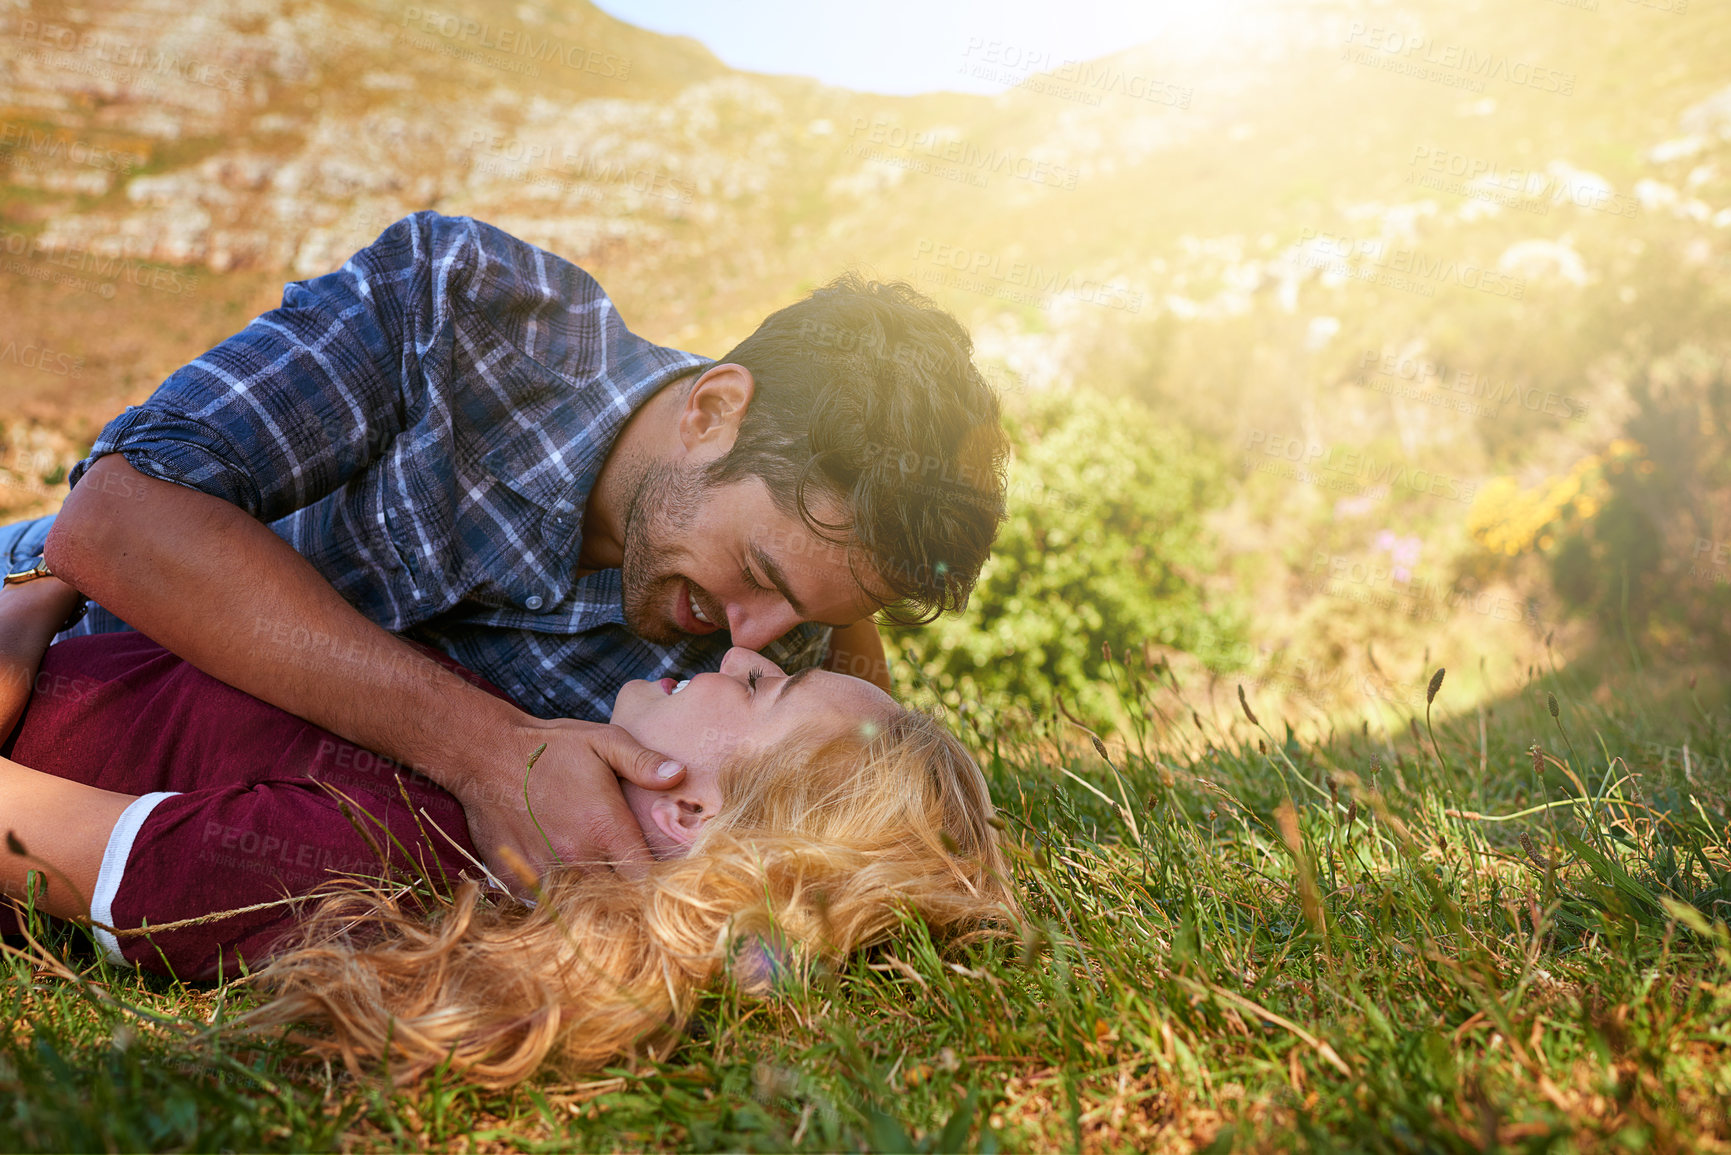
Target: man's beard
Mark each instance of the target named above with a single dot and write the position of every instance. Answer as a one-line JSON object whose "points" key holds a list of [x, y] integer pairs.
{"points": [[662, 509]]}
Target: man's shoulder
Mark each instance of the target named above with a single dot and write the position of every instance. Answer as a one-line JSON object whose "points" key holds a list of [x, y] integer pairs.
{"points": [[475, 261], [543, 305]]}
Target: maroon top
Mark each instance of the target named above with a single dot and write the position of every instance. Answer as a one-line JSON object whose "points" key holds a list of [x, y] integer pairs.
{"points": [[252, 819]]}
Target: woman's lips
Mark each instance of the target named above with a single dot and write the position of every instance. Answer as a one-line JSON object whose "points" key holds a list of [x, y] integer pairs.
{"points": [[667, 685]]}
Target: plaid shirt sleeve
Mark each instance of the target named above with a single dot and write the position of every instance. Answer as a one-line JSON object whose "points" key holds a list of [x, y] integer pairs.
{"points": [[312, 392]]}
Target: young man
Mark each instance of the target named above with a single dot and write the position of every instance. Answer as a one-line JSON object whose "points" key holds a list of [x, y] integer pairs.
{"points": [[455, 438]]}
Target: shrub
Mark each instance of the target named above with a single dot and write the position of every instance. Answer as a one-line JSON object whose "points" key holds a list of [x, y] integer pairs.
{"points": [[1104, 543]]}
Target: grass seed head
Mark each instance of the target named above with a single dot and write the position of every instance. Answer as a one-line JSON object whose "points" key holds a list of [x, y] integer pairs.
{"points": [[1543, 862], [1435, 685], [1245, 702], [1551, 700]]}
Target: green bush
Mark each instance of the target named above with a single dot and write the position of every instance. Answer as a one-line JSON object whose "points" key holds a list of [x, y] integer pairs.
{"points": [[1104, 544]]}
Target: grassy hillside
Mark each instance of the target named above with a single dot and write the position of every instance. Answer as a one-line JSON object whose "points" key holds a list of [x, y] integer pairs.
{"points": [[1242, 937]]}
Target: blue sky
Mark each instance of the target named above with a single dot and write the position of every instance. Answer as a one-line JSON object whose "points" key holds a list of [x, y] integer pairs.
{"points": [[908, 46]]}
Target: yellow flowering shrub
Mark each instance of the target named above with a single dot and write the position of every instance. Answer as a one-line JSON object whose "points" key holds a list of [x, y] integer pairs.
{"points": [[1508, 520]]}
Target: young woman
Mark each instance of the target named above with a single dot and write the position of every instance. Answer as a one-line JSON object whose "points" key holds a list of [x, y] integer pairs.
{"points": [[815, 816]]}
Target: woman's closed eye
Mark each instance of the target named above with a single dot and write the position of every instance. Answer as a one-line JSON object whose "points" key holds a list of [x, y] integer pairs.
{"points": [[751, 680]]}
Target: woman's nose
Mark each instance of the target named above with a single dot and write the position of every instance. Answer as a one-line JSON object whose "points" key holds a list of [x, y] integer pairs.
{"points": [[739, 661]]}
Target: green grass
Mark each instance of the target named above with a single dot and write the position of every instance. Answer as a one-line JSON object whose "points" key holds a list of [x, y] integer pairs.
{"points": [[1241, 938]]}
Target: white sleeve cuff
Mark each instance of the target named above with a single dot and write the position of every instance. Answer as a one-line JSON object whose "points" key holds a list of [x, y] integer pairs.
{"points": [[114, 867]]}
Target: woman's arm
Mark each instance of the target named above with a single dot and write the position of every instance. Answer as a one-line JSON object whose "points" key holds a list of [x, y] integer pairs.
{"points": [[30, 615], [63, 828]]}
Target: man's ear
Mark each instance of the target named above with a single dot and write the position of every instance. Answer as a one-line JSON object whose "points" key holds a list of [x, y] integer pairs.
{"points": [[678, 818], [709, 419]]}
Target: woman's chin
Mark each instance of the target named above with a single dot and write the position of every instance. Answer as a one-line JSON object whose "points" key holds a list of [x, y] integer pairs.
{"points": [[627, 702]]}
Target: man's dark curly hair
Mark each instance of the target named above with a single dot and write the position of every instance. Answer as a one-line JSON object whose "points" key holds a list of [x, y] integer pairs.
{"points": [[866, 393]]}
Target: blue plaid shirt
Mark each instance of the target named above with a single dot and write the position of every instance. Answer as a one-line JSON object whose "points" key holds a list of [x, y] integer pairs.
{"points": [[424, 425]]}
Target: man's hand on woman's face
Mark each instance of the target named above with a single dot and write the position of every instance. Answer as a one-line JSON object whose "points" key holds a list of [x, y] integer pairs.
{"points": [[573, 792]]}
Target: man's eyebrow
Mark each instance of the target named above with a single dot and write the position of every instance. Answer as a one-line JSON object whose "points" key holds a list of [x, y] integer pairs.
{"points": [[789, 683], [777, 579]]}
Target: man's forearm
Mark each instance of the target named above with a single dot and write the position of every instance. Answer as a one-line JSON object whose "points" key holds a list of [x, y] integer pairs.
{"points": [[217, 587]]}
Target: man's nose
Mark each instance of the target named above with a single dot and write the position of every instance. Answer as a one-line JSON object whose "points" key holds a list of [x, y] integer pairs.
{"points": [[756, 627]]}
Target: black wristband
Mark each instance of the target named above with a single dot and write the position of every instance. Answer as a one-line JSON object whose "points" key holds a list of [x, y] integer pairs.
{"points": [[79, 609]]}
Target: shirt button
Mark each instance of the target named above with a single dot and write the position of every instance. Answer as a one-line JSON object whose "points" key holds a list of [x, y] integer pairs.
{"points": [[533, 601]]}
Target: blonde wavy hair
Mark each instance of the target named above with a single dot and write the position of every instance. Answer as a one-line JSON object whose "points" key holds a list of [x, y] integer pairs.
{"points": [[821, 847]]}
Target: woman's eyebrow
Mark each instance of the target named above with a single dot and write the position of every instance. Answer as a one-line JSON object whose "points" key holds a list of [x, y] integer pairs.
{"points": [[787, 683]]}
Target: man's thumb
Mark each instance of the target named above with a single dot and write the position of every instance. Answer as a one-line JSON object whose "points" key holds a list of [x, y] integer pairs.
{"points": [[639, 764]]}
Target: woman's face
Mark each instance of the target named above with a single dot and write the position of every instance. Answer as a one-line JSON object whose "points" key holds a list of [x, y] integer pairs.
{"points": [[749, 702]]}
